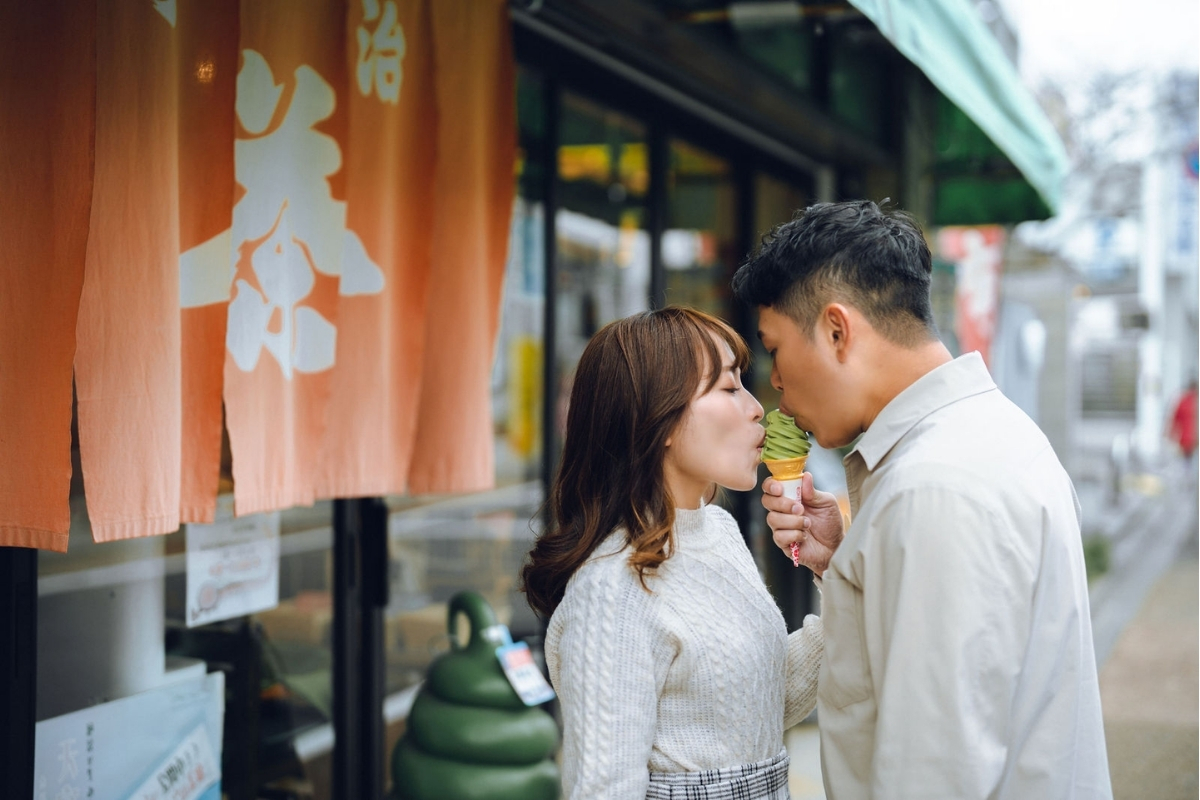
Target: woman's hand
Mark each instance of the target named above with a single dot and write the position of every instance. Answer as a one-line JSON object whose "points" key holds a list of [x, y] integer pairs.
{"points": [[815, 523]]}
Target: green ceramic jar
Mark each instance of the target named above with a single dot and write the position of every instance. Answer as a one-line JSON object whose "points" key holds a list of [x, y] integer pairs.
{"points": [[469, 736]]}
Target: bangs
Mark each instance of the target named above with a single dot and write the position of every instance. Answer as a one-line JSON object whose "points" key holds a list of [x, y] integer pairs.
{"points": [[702, 328]]}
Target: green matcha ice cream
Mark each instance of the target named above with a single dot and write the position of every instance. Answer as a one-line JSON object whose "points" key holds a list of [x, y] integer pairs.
{"points": [[784, 452], [784, 439]]}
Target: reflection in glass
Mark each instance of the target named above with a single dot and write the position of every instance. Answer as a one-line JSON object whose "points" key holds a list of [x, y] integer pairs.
{"points": [[441, 545], [699, 245], [603, 249]]}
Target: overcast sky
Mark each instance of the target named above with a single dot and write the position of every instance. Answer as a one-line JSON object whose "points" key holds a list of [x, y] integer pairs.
{"points": [[1066, 39]]}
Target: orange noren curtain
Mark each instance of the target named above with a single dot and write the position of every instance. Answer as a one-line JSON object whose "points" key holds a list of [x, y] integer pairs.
{"points": [[208, 57], [372, 416], [291, 214], [47, 118], [473, 199]]}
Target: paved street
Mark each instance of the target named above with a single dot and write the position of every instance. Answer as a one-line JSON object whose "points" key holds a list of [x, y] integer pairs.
{"points": [[1148, 687]]}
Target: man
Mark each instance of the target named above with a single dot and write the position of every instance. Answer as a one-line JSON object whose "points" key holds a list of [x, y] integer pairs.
{"points": [[959, 659]]}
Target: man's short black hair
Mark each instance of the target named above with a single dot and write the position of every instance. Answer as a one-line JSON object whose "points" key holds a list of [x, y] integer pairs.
{"points": [[873, 259]]}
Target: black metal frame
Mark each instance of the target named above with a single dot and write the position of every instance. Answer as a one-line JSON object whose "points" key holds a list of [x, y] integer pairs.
{"points": [[551, 99], [18, 667], [360, 594]]}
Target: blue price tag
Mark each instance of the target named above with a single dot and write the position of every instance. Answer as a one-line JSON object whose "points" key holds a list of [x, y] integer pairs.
{"points": [[523, 673]]}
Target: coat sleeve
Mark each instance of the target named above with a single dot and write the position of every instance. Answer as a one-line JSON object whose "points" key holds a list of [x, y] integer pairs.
{"points": [[805, 649], [611, 662]]}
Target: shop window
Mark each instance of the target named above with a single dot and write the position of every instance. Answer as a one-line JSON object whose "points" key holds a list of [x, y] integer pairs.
{"points": [[441, 545], [278, 662], [857, 87], [603, 247], [699, 244], [114, 637]]}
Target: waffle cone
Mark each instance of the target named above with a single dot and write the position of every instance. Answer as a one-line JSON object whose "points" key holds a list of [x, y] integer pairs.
{"points": [[786, 469]]}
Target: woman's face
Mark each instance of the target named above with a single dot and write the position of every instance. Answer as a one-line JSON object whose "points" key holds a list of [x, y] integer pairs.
{"points": [[719, 440]]}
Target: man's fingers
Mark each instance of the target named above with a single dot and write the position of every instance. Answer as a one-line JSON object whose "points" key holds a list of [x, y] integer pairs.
{"points": [[785, 539], [772, 487], [785, 522], [813, 497], [780, 505]]}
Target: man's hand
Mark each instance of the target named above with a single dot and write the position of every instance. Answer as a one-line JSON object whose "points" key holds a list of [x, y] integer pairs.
{"points": [[815, 523]]}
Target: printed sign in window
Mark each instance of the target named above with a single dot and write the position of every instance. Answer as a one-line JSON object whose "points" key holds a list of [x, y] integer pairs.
{"points": [[232, 565]]}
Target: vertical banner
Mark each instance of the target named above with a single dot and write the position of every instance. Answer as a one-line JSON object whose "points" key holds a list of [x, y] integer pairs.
{"points": [[127, 366], [389, 166], [473, 199], [288, 235], [47, 108], [978, 257], [208, 62]]}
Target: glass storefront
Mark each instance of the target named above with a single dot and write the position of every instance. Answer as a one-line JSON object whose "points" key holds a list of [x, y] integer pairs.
{"points": [[123, 608]]}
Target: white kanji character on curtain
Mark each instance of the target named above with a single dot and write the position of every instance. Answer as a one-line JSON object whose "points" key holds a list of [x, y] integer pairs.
{"points": [[380, 51], [294, 226]]}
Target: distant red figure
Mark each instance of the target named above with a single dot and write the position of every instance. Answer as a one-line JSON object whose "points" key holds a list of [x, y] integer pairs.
{"points": [[1183, 421]]}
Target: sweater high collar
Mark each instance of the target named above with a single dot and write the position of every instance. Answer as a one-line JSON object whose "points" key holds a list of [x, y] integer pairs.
{"points": [[694, 529]]}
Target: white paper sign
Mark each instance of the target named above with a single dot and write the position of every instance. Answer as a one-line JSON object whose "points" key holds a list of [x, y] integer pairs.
{"points": [[116, 750], [232, 565], [185, 774]]}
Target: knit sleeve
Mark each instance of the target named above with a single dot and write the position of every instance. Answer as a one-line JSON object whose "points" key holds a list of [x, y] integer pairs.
{"points": [[806, 648], [612, 660]]}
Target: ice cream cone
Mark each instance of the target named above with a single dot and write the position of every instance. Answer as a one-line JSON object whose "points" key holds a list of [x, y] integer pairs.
{"points": [[789, 472], [786, 469]]}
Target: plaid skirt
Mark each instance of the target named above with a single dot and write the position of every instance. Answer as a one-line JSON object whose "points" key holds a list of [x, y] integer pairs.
{"points": [[763, 780]]}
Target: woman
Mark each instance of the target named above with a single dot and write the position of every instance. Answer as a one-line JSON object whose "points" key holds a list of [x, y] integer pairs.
{"points": [[671, 660]]}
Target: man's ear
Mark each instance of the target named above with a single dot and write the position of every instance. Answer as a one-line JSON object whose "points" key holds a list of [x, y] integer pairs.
{"points": [[839, 328]]}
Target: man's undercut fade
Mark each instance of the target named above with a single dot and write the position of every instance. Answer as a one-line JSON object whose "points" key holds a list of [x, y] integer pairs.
{"points": [[874, 259]]}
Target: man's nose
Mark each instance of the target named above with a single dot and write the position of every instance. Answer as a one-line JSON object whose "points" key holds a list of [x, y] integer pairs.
{"points": [[775, 381]]}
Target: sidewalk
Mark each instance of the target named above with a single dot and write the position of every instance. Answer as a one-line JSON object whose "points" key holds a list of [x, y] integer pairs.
{"points": [[803, 744], [1149, 690]]}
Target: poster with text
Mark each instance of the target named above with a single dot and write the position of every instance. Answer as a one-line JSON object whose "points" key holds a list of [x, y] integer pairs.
{"points": [[160, 744], [232, 565]]}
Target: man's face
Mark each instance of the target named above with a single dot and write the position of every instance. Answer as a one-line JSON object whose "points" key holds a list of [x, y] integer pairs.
{"points": [[812, 378]]}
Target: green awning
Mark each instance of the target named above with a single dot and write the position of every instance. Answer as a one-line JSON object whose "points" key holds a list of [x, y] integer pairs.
{"points": [[947, 40]]}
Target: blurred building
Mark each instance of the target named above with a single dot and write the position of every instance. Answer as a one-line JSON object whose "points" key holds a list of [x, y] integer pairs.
{"points": [[1124, 246]]}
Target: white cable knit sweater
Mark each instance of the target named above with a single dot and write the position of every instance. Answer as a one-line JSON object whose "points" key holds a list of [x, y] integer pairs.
{"points": [[699, 674]]}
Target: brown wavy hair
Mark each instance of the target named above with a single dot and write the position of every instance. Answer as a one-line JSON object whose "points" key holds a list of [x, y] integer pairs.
{"points": [[632, 388]]}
